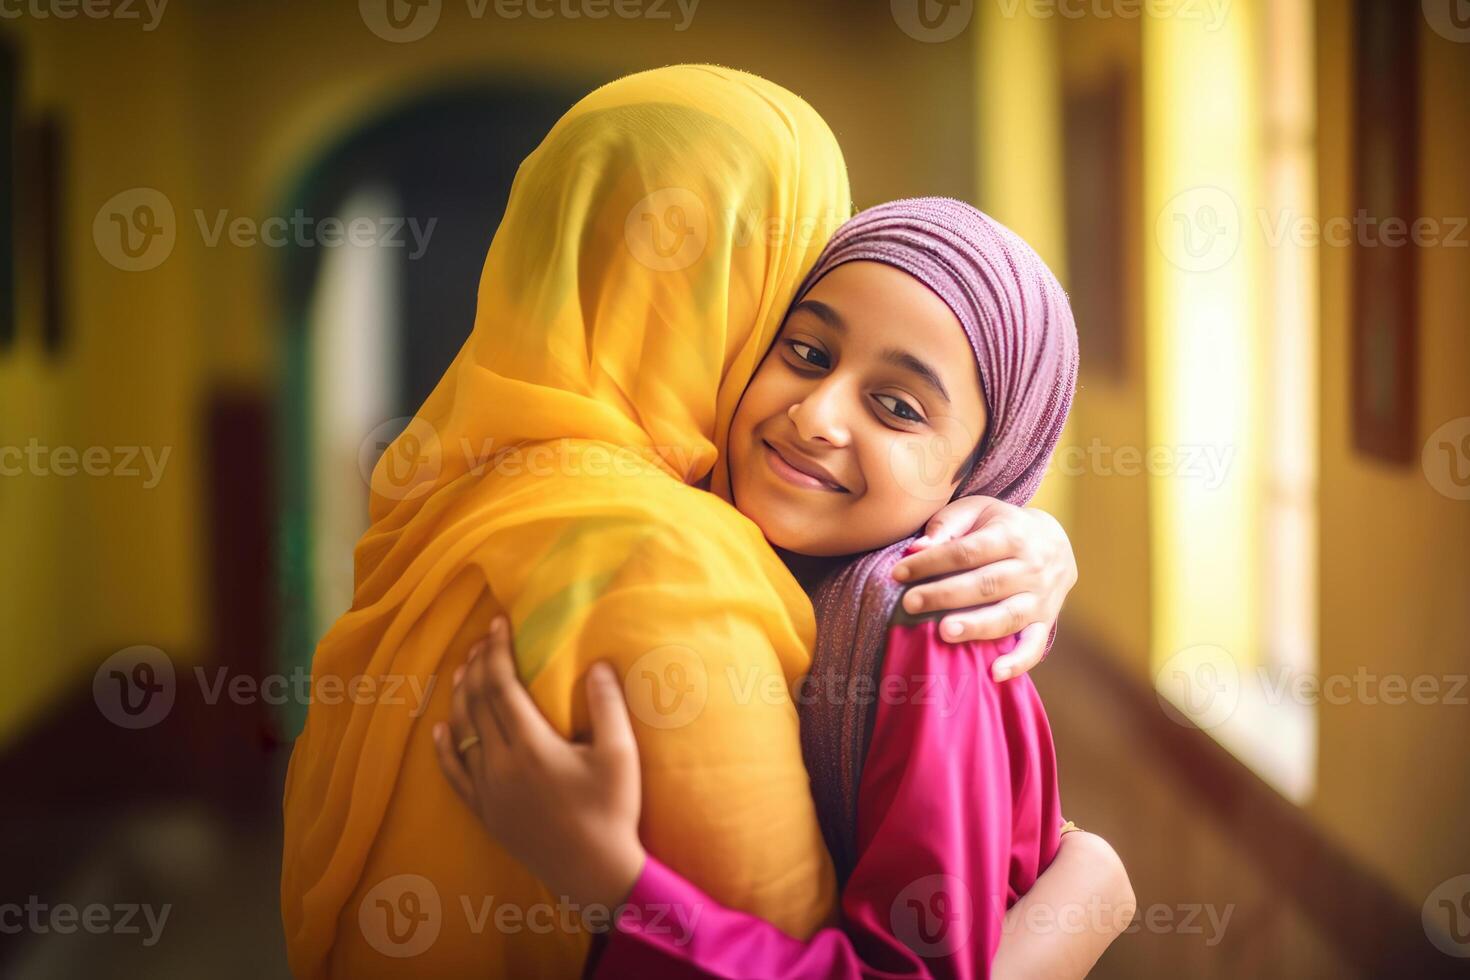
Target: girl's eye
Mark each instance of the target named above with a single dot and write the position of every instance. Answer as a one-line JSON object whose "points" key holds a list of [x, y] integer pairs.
{"points": [[809, 354], [900, 408]]}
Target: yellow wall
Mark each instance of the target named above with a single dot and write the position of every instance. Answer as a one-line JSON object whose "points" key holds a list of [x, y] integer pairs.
{"points": [[1395, 554], [223, 106], [93, 564], [1107, 516]]}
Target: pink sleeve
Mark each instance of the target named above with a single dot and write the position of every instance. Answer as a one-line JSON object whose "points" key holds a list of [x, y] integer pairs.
{"points": [[958, 814]]}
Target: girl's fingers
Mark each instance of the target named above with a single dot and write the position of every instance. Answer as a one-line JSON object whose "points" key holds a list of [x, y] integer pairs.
{"points": [[453, 765], [612, 730], [989, 544], [990, 622], [990, 583], [1027, 654]]}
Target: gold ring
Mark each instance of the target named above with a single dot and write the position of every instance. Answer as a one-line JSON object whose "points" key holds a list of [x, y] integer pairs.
{"points": [[467, 743]]}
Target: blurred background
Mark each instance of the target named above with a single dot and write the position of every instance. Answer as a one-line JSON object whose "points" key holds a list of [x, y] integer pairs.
{"points": [[239, 241]]}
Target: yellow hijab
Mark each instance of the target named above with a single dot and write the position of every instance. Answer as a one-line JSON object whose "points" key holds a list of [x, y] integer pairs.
{"points": [[647, 254]]}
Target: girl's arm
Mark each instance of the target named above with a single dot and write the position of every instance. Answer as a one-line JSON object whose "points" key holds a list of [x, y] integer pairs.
{"points": [[1070, 916], [941, 852]]}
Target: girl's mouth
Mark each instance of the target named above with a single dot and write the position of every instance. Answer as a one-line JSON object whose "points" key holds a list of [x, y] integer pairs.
{"points": [[794, 476]]}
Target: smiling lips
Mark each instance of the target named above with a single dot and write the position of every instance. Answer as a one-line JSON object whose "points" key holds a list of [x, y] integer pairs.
{"points": [[801, 473]]}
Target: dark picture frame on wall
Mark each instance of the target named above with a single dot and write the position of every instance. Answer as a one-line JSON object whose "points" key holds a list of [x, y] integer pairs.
{"points": [[44, 150], [1093, 175], [1385, 308], [9, 108]]}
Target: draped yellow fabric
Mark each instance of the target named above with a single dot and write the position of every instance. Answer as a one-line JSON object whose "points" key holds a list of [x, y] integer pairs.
{"points": [[648, 251]]}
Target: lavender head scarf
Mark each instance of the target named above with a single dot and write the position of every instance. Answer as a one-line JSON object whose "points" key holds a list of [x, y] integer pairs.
{"points": [[1020, 328]]}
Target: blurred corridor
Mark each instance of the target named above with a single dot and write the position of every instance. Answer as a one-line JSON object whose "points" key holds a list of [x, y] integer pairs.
{"points": [[239, 243]]}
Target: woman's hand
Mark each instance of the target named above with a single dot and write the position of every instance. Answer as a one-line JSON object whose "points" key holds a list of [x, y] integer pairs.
{"points": [[1014, 564], [568, 811]]}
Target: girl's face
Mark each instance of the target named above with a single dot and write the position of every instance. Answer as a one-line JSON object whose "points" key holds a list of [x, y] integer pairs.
{"points": [[858, 423]]}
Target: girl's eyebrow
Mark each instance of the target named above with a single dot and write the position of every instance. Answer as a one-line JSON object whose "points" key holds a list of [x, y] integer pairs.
{"points": [[903, 359], [822, 312], [892, 355]]}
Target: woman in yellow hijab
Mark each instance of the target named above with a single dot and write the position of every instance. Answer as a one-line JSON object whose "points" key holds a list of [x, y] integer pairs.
{"points": [[647, 254]]}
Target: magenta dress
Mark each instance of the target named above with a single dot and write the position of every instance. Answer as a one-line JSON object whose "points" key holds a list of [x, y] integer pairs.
{"points": [[958, 814]]}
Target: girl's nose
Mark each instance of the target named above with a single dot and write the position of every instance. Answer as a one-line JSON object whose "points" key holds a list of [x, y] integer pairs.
{"points": [[819, 416]]}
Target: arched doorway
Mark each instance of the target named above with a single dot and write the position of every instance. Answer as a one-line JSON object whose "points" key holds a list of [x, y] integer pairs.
{"points": [[370, 325]]}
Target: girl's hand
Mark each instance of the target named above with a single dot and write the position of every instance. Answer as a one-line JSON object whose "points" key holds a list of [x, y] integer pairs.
{"points": [[568, 811], [1014, 563]]}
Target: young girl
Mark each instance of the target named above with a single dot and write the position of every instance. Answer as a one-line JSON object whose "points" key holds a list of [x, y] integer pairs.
{"points": [[929, 353]]}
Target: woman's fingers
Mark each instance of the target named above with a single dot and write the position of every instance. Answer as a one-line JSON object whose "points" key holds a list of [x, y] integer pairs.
{"points": [[989, 583], [452, 764], [956, 519], [989, 544], [990, 622], [1028, 653]]}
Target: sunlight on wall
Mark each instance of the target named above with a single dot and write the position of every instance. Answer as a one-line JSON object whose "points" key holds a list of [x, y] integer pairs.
{"points": [[1019, 156], [1231, 371], [353, 346]]}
